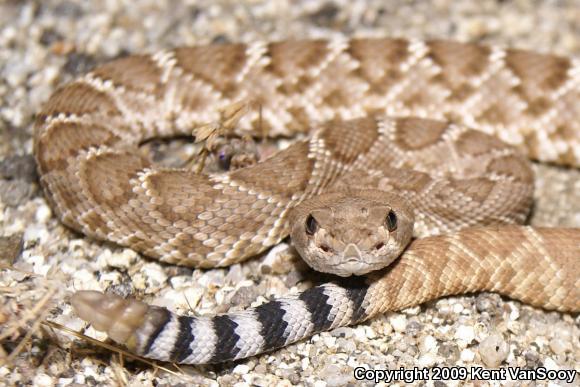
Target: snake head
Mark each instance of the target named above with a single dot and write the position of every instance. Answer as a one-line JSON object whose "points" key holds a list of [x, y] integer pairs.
{"points": [[353, 232]]}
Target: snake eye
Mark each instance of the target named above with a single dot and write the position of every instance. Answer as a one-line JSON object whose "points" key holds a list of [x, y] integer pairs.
{"points": [[224, 160], [391, 221], [311, 225]]}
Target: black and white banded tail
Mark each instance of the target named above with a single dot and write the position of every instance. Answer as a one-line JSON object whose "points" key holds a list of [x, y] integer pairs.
{"points": [[157, 333]]}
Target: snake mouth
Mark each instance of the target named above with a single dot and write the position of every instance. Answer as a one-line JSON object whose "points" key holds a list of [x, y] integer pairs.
{"points": [[351, 266], [350, 261]]}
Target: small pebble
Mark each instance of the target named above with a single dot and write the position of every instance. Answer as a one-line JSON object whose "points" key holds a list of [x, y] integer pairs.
{"points": [[426, 360], [560, 346], [43, 214], [370, 332], [334, 375], [532, 359], [347, 346], [235, 274], [279, 260], [465, 334], [359, 333], [550, 364], [413, 328], [493, 350], [467, 355], [19, 167], [457, 308], [565, 333], [153, 275], [241, 369], [212, 278], [328, 340], [10, 247], [43, 380], [513, 312], [245, 294], [118, 259], [398, 322], [36, 234], [15, 192], [345, 332], [428, 344]]}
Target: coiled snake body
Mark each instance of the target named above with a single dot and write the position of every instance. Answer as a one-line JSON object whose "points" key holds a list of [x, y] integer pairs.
{"points": [[381, 109]]}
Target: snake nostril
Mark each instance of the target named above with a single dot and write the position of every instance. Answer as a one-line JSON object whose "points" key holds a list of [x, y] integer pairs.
{"points": [[379, 245], [325, 248]]}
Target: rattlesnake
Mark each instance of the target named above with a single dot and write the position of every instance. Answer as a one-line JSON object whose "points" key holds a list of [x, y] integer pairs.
{"points": [[380, 106]]}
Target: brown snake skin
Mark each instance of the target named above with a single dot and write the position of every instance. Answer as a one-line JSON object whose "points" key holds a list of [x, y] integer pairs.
{"points": [[98, 184]]}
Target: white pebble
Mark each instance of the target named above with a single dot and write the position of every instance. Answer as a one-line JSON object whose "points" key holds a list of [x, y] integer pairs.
{"points": [[493, 350], [387, 328], [467, 355], [155, 272], [329, 341], [481, 331], [189, 297], [550, 364], [413, 310], [345, 332], [36, 233], [150, 278], [181, 281], [65, 381], [43, 380], [334, 375], [514, 327], [563, 332], [398, 322], [120, 260], [241, 369], [43, 213], [428, 344], [212, 278], [235, 274], [359, 334], [559, 346], [457, 308], [85, 280], [426, 360], [514, 313], [113, 277], [39, 264], [347, 346], [277, 260], [370, 332], [465, 334]]}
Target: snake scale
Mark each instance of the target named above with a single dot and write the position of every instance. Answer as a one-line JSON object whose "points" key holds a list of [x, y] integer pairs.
{"points": [[391, 114]]}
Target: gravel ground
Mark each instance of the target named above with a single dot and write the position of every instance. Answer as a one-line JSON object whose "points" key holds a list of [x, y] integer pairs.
{"points": [[45, 43]]}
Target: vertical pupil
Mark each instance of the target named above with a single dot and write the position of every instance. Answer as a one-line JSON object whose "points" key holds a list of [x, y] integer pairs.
{"points": [[311, 225], [391, 221]]}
